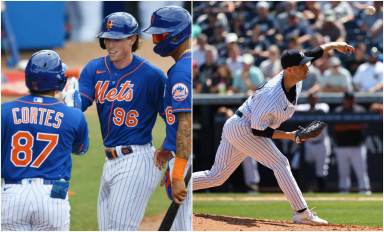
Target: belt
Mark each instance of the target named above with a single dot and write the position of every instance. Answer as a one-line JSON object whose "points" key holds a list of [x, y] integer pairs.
{"points": [[29, 180], [112, 153], [239, 113]]}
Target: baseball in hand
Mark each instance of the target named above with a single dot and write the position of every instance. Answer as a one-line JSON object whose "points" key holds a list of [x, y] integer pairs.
{"points": [[370, 10]]}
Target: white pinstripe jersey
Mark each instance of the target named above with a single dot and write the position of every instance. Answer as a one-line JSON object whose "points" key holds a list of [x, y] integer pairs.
{"points": [[269, 106]]}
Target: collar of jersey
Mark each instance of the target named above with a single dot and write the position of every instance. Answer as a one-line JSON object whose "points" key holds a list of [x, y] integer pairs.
{"points": [[46, 100], [130, 67]]}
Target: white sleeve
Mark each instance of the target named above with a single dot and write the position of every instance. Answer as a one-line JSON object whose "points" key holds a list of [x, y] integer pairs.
{"points": [[262, 113]]}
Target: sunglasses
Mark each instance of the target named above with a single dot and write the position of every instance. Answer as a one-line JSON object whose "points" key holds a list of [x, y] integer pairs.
{"points": [[157, 38]]}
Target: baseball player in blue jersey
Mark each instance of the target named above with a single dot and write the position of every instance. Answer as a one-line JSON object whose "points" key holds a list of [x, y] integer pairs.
{"points": [[39, 133], [251, 130], [128, 92], [171, 30]]}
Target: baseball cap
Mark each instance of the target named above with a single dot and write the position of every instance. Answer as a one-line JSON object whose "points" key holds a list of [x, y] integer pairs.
{"points": [[349, 95], [294, 57]]}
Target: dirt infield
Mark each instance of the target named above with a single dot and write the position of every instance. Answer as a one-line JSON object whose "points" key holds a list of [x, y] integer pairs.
{"points": [[204, 222]]}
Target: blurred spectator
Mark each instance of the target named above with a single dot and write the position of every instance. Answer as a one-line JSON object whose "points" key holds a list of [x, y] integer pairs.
{"points": [[208, 69], [373, 25], [234, 60], [342, 10], [296, 28], [331, 28], [312, 12], [351, 150], [263, 19], [272, 65], [353, 62], [317, 150], [336, 78], [200, 49], [256, 42], [369, 74], [197, 85], [249, 77], [222, 80], [251, 175], [311, 84], [290, 7], [84, 26]]}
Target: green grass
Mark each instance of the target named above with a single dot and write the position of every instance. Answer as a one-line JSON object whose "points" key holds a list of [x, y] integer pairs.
{"points": [[337, 211], [86, 173]]}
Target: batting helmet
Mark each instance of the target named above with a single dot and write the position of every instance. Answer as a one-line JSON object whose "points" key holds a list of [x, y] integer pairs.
{"points": [[175, 22], [118, 25], [45, 71]]}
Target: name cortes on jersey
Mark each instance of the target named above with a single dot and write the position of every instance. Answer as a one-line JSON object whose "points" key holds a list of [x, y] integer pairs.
{"points": [[37, 116], [124, 94]]}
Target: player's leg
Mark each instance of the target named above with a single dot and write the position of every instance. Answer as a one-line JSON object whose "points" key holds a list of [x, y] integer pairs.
{"points": [[15, 202], [359, 165], [227, 159], [264, 151], [321, 161], [51, 214], [102, 201], [343, 167], [251, 174], [135, 180]]}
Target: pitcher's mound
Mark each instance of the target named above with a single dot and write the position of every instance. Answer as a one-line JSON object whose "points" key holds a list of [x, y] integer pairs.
{"points": [[215, 222]]}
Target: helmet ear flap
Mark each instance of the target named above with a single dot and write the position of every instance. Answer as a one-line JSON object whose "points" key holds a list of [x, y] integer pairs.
{"points": [[101, 42]]}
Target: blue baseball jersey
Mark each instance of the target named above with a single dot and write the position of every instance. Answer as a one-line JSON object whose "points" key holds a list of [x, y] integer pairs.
{"points": [[178, 97], [127, 100], [38, 135]]}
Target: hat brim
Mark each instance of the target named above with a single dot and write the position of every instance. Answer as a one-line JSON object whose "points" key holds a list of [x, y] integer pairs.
{"points": [[306, 59]]}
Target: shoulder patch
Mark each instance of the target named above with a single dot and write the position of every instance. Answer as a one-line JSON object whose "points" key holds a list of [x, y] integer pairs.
{"points": [[179, 91]]}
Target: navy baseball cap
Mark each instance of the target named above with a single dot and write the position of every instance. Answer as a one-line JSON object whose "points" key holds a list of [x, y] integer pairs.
{"points": [[294, 57]]}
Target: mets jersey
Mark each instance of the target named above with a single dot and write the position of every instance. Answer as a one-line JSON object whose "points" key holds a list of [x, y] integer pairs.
{"points": [[177, 97], [127, 100], [269, 105], [38, 135]]}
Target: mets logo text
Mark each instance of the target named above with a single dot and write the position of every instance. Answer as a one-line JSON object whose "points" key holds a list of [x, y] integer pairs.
{"points": [[125, 93], [179, 91]]}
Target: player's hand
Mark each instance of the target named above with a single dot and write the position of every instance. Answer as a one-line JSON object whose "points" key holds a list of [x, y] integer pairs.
{"points": [[343, 47], [179, 191], [161, 157], [71, 94]]}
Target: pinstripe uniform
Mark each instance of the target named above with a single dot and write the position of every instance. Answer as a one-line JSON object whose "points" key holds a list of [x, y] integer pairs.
{"points": [[38, 136], [128, 101], [267, 107]]}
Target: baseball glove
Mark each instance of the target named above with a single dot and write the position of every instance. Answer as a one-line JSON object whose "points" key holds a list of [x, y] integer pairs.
{"points": [[314, 129]]}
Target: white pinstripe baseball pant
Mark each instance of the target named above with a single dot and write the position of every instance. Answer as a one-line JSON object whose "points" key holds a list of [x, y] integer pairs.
{"points": [[126, 186], [236, 144], [28, 206]]}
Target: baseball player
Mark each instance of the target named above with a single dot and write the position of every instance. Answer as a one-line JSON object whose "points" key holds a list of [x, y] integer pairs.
{"points": [[251, 130], [39, 133], [171, 31], [128, 92], [317, 150]]}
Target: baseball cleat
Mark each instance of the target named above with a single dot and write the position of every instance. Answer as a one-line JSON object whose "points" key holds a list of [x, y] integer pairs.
{"points": [[308, 217]]}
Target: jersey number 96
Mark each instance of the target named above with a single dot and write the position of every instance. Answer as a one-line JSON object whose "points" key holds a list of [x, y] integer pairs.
{"points": [[129, 118], [22, 142]]}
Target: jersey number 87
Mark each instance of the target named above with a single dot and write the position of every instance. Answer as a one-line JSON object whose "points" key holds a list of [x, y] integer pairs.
{"points": [[26, 148]]}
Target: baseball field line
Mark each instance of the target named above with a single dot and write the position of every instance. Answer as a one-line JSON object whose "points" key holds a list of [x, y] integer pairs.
{"points": [[282, 198]]}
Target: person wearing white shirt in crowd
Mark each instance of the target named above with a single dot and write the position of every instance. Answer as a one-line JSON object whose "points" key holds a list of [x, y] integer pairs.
{"points": [[369, 74], [336, 78]]}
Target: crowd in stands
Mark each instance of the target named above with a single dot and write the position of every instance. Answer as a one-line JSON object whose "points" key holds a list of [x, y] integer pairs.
{"points": [[237, 45]]}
